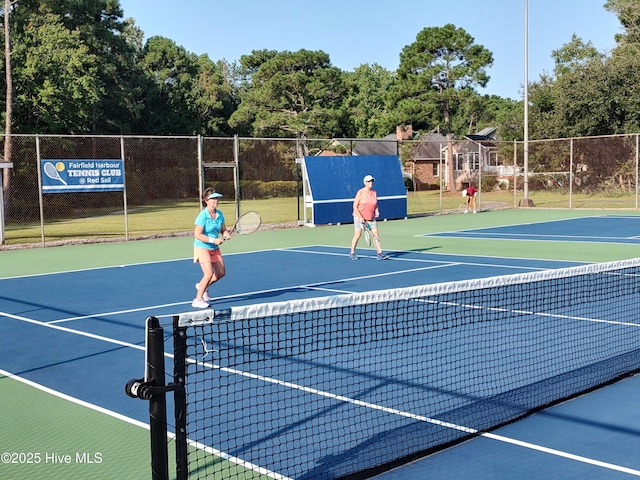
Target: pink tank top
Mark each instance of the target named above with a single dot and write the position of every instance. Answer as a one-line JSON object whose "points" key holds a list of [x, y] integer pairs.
{"points": [[367, 204]]}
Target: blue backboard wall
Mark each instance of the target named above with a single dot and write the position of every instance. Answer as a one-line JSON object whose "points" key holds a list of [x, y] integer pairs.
{"points": [[334, 181]]}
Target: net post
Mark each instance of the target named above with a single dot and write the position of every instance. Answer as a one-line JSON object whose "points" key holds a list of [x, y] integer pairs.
{"points": [[180, 398], [157, 402]]}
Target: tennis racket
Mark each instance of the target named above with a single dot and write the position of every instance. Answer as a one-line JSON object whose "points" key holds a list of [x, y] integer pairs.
{"points": [[368, 233], [247, 223], [367, 236], [51, 172]]}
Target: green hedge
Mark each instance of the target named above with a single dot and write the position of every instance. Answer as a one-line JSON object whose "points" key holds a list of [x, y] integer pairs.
{"points": [[253, 189]]}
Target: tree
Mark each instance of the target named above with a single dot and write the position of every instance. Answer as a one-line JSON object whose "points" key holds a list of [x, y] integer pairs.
{"points": [[8, 105], [600, 99], [59, 86], [591, 94], [366, 101], [574, 56], [480, 111], [91, 35], [215, 96], [184, 93], [101, 28], [434, 72], [628, 12], [292, 94]]}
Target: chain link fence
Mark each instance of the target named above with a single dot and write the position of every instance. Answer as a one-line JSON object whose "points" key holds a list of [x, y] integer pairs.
{"points": [[165, 175]]}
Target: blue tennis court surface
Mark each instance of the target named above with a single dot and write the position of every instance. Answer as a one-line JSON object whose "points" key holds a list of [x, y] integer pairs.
{"points": [[605, 229], [82, 332]]}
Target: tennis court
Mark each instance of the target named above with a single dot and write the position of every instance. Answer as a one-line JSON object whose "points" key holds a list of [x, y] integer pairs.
{"points": [[619, 229], [73, 324]]}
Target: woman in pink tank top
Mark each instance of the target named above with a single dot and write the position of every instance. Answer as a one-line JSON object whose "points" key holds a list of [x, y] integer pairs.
{"points": [[365, 212]]}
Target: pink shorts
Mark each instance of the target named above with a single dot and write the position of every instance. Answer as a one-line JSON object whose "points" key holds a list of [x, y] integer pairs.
{"points": [[204, 255]]}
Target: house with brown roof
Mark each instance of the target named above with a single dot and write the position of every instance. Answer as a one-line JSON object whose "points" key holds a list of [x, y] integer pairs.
{"points": [[423, 156]]}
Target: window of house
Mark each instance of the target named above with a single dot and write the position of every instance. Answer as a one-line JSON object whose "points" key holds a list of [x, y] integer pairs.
{"points": [[492, 158], [474, 160]]}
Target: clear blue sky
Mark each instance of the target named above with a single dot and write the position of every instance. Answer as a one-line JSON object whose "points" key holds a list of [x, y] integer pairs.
{"points": [[355, 32]]}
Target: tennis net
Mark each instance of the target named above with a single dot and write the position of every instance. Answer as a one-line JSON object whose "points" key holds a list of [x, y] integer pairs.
{"points": [[351, 385]]}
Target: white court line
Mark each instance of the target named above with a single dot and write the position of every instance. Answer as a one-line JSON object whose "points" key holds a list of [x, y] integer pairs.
{"points": [[111, 413], [345, 399], [75, 400], [136, 264], [466, 255], [89, 269], [374, 406], [560, 453], [118, 312], [310, 286], [539, 222], [319, 286], [535, 236], [422, 418], [71, 330], [468, 233], [546, 239], [445, 263]]}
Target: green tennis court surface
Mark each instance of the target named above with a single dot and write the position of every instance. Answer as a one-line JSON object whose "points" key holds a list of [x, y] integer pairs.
{"points": [[48, 436]]}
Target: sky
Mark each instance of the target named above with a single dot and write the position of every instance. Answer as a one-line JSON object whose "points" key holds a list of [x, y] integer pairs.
{"points": [[356, 32]]}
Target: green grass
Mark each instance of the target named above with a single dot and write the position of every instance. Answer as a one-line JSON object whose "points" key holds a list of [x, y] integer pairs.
{"points": [[176, 217], [146, 220], [430, 201]]}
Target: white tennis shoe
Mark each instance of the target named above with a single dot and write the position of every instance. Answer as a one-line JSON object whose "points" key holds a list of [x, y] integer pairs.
{"points": [[199, 304]]}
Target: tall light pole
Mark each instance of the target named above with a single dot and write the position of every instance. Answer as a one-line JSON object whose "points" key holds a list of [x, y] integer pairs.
{"points": [[525, 201]]}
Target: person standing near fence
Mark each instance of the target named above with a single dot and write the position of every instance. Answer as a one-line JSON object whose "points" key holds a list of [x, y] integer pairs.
{"points": [[365, 213], [470, 193], [209, 225]]}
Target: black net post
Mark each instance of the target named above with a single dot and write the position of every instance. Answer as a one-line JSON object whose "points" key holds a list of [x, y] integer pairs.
{"points": [[157, 401], [180, 399]]}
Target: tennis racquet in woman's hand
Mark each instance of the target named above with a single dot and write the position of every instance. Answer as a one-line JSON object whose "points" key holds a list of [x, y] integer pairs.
{"points": [[247, 223], [368, 233]]}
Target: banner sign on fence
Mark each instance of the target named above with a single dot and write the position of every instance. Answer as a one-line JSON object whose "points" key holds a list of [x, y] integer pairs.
{"points": [[62, 176]]}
